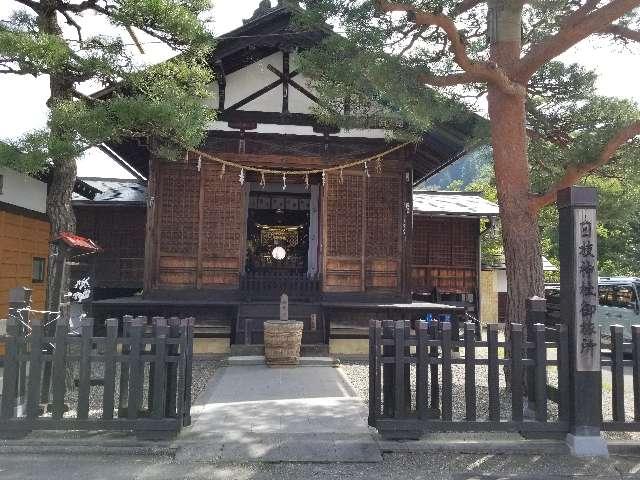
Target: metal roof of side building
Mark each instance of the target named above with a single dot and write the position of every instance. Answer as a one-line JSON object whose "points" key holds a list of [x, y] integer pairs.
{"points": [[453, 204], [113, 191]]}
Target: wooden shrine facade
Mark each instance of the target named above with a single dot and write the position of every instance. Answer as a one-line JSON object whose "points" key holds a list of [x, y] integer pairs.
{"points": [[197, 237]]}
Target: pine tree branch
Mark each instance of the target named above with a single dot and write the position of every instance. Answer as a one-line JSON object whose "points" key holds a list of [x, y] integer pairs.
{"points": [[573, 173], [474, 72], [73, 23], [35, 6], [462, 78], [577, 26], [13, 71], [465, 6], [622, 32], [62, 5]]}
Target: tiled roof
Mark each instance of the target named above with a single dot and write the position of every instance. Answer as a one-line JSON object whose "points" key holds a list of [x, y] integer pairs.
{"points": [[114, 191], [457, 204]]}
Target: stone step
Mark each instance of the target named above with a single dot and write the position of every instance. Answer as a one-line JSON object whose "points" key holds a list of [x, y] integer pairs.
{"points": [[319, 350]]}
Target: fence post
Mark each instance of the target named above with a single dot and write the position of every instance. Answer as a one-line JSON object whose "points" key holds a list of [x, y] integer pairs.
{"points": [[125, 368], [388, 379], [10, 379], [110, 352], [374, 381], [536, 313], [136, 367], [10, 407], [19, 305], [188, 374], [59, 363], [84, 376], [34, 376], [172, 369], [579, 299]]}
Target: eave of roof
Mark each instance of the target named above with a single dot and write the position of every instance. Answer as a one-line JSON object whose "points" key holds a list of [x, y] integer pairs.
{"points": [[113, 191], [453, 204]]}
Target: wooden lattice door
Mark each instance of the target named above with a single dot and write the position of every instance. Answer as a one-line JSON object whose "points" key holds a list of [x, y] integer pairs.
{"points": [[343, 228], [363, 233], [178, 224], [199, 226], [222, 228]]}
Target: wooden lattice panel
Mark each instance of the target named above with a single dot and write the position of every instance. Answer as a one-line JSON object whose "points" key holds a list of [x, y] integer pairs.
{"points": [[463, 245], [120, 231], [445, 241], [344, 215], [420, 240], [179, 209], [445, 254], [383, 217], [222, 213], [439, 249]]}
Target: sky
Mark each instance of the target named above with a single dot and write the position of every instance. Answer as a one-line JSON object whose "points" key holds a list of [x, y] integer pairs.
{"points": [[22, 98]]}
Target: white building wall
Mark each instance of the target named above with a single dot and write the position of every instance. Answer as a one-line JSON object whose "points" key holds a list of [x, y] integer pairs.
{"points": [[248, 80], [242, 83], [23, 191]]}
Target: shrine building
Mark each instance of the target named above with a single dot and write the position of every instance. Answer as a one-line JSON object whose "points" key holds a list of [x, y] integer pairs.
{"points": [[274, 202]]}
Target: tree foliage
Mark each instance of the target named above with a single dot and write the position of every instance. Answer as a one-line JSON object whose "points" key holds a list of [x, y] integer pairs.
{"points": [[163, 100], [547, 128], [162, 103]]}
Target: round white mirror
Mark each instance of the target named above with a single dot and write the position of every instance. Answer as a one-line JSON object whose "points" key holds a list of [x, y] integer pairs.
{"points": [[278, 253]]}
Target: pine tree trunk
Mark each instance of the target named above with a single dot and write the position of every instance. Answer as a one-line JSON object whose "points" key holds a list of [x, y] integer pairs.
{"points": [[520, 232], [62, 219], [63, 173]]}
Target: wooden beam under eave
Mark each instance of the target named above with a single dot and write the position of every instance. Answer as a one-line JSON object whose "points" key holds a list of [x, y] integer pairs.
{"points": [[285, 82], [222, 84]]}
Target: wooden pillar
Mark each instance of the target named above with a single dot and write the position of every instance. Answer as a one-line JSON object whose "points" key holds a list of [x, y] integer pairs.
{"points": [[363, 239], [579, 299], [201, 233], [407, 233], [150, 243]]}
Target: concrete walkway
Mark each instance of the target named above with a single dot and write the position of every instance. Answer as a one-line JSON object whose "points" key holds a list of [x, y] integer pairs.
{"points": [[256, 413]]}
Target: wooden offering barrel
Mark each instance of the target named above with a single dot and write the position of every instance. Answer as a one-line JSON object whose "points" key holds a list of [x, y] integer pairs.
{"points": [[282, 342]]}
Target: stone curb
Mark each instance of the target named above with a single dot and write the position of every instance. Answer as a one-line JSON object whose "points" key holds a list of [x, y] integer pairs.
{"points": [[75, 449], [246, 360], [623, 447], [495, 447], [532, 447]]}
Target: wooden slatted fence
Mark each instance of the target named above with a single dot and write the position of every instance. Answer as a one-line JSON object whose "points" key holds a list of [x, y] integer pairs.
{"points": [[411, 373], [624, 356], [151, 366]]}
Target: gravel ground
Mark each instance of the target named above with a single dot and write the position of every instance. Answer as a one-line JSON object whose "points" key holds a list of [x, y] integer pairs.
{"points": [[203, 370]]}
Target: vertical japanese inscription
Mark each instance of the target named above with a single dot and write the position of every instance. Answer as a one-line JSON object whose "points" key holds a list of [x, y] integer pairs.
{"points": [[586, 291]]}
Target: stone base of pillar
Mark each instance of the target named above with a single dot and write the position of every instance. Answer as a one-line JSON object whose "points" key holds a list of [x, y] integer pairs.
{"points": [[587, 445]]}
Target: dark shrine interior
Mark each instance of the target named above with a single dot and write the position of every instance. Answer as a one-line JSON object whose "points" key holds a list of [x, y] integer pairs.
{"points": [[277, 232]]}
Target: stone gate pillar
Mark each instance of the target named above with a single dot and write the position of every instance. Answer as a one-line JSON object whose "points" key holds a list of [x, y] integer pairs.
{"points": [[579, 300]]}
